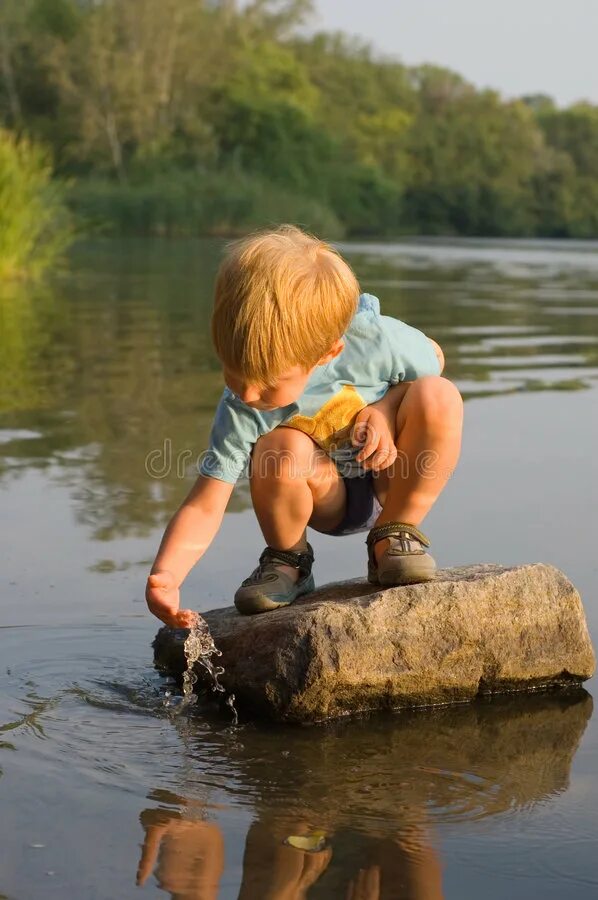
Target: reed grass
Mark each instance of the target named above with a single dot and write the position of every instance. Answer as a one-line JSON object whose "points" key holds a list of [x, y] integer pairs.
{"points": [[35, 227], [186, 203]]}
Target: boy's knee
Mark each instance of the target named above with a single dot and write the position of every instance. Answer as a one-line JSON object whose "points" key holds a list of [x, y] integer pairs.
{"points": [[283, 453], [437, 399], [285, 439]]}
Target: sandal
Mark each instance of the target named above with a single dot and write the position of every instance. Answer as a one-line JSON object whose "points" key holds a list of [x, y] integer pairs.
{"points": [[269, 588], [405, 561]]}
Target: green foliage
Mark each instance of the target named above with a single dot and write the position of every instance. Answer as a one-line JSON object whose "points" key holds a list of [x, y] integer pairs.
{"points": [[472, 161], [185, 203], [57, 18], [574, 131], [202, 116], [34, 227]]}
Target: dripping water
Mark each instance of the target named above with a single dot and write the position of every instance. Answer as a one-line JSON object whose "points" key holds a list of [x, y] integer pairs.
{"points": [[200, 648]]}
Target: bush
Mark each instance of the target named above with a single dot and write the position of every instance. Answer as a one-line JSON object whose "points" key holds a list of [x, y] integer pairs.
{"points": [[180, 203], [34, 225]]}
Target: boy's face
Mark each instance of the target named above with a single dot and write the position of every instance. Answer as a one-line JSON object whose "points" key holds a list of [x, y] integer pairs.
{"points": [[287, 389]]}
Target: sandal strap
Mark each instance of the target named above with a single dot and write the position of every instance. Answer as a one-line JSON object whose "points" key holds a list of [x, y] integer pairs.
{"points": [[395, 528], [298, 559]]}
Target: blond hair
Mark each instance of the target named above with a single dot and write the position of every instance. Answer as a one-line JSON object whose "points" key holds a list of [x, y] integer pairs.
{"points": [[282, 299]]}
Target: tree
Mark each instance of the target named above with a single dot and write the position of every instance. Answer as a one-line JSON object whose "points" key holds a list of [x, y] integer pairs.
{"points": [[13, 18], [471, 164], [574, 131], [231, 95]]}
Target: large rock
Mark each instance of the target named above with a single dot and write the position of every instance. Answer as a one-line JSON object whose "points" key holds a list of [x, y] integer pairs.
{"points": [[352, 647]]}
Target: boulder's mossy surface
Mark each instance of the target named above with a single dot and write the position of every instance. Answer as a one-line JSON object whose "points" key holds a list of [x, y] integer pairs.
{"points": [[352, 647]]}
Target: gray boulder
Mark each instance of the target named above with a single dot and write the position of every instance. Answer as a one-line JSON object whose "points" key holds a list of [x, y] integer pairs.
{"points": [[352, 647]]}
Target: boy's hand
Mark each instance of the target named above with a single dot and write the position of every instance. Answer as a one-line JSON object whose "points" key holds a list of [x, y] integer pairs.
{"points": [[163, 598], [373, 432]]}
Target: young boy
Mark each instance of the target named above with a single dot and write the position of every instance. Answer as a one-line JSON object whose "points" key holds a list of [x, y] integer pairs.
{"points": [[338, 414]]}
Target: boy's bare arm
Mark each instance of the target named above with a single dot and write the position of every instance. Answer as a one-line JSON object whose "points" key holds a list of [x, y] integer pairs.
{"points": [[188, 535], [439, 354]]}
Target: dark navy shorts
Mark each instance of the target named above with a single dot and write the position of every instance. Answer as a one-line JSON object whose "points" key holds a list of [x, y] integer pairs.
{"points": [[363, 507]]}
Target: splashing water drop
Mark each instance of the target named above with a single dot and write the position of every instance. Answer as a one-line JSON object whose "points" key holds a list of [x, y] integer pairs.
{"points": [[199, 648], [230, 701]]}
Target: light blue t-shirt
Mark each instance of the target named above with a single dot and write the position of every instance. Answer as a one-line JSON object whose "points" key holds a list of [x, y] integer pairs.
{"points": [[379, 351]]}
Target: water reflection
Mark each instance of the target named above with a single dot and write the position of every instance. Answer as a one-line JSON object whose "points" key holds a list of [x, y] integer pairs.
{"points": [[187, 856], [186, 852], [368, 797], [113, 360], [102, 366]]}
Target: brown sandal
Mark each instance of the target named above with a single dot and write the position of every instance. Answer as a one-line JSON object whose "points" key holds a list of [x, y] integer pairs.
{"points": [[405, 561]]}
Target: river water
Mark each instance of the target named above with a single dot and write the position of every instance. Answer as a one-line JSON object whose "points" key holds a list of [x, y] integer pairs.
{"points": [[107, 388]]}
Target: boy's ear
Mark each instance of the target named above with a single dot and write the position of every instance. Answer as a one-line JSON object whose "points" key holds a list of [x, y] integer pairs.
{"points": [[336, 348]]}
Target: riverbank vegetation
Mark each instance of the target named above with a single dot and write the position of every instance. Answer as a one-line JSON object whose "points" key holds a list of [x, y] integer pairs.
{"points": [[34, 224], [214, 117]]}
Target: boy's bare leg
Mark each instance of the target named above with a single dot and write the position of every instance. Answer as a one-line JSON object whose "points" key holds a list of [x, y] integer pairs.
{"points": [[429, 422], [294, 483], [273, 870]]}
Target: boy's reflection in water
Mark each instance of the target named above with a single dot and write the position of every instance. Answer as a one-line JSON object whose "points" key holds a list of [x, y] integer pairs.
{"points": [[357, 866], [368, 787], [188, 856]]}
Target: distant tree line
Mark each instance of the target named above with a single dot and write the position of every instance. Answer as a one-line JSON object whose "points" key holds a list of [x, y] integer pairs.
{"points": [[214, 116]]}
